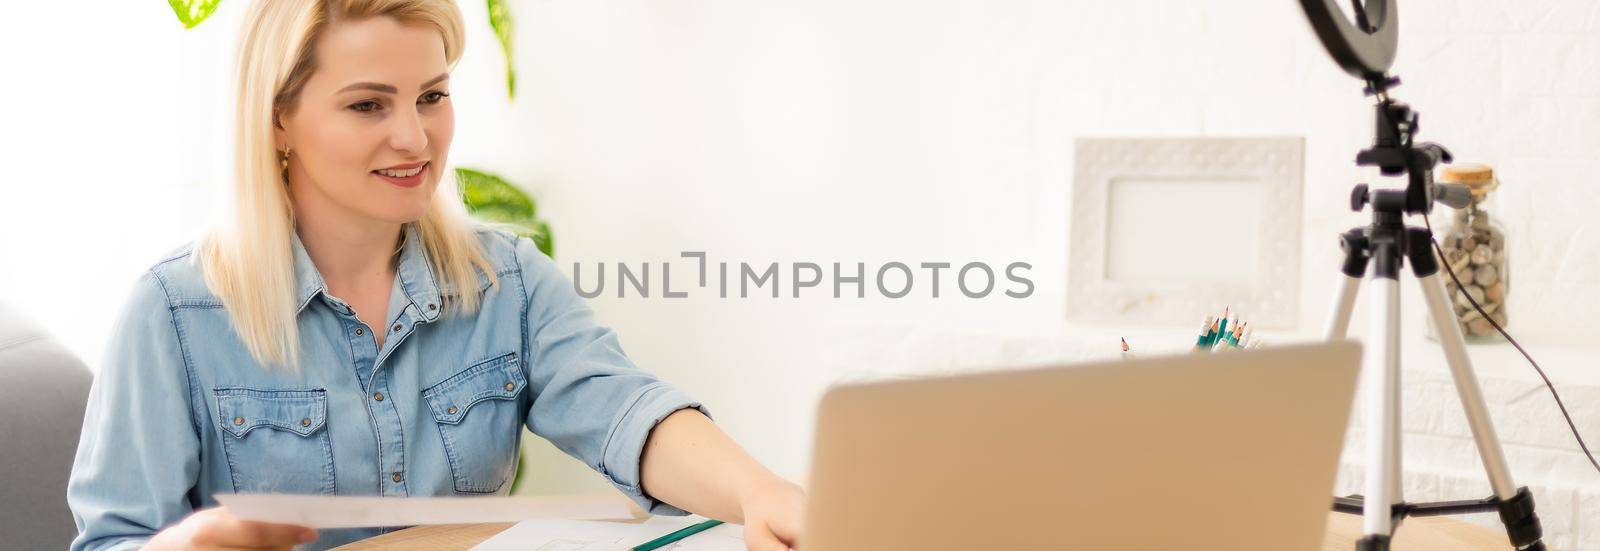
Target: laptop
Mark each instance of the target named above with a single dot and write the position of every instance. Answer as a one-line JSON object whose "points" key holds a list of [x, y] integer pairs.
{"points": [[1233, 451]]}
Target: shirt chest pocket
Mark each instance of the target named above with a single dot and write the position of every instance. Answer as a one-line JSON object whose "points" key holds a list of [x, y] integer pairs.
{"points": [[276, 440], [480, 421]]}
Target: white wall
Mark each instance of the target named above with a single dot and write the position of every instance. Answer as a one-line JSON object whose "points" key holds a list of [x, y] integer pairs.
{"points": [[97, 159], [925, 131], [826, 131], [920, 131]]}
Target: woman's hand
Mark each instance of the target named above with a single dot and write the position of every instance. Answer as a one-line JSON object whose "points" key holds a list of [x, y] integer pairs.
{"points": [[216, 528], [773, 515], [691, 464]]}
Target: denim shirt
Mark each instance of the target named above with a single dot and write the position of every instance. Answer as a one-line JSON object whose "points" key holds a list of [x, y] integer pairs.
{"points": [[180, 411]]}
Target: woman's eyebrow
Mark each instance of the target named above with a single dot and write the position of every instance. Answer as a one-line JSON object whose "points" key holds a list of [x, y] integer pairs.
{"points": [[435, 80], [387, 89]]}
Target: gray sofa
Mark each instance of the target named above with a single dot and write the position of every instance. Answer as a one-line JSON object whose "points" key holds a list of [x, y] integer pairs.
{"points": [[43, 389]]}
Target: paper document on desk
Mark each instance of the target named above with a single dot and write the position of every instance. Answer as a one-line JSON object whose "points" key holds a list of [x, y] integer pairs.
{"points": [[324, 511], [582, 535]]}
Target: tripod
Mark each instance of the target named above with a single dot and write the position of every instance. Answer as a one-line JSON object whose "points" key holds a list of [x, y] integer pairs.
{"points": [[1387, 243]]}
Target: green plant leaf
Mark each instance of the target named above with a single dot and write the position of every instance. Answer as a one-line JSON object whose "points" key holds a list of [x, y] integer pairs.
{"points": [[192, 12], [491, 198], [500, 19], [487, 191], [544, 239]]}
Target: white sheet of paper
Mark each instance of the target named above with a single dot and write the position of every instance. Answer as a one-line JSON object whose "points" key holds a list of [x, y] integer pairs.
{"points": [[321, 511], [581, 535]]}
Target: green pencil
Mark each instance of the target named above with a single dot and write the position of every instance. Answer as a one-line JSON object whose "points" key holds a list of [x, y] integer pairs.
{"points": [[663, 541], [1205, 335]]}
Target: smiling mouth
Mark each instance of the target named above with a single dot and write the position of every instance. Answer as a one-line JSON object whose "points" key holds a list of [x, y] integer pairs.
{"points": [[405, 176], [401, 172]]}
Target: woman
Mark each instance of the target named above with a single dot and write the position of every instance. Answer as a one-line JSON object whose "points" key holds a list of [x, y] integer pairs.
{"points": [[350, 331]]}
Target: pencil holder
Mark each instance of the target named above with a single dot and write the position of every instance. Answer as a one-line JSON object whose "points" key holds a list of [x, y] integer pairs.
{"points": [[1474, 244]]}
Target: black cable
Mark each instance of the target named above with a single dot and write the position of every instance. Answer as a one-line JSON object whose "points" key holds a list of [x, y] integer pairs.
{"points": [[1445, 261]]}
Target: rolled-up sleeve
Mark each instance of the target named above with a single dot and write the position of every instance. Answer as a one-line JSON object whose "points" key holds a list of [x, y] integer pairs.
{"points": [[138, 454], [591, 401]]}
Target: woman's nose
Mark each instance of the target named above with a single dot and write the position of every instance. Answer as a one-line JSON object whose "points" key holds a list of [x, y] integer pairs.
{"points": [[407, 132]]}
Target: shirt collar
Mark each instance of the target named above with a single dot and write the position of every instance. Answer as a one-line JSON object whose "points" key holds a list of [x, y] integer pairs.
{"points": [[414, 274]]}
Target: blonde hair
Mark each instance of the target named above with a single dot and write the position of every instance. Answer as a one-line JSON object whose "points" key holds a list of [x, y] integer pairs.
{"points": [[248, 261]]}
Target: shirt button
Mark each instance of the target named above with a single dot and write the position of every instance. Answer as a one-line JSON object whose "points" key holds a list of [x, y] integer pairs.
{"points": [[238, 420], [510, 386], [397, 328], [432, 306], [377, 396], [450, 410], [360, 331], [396, 476], [305, 422]]}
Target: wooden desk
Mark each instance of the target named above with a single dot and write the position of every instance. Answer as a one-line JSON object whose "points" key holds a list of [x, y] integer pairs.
{"points": [[1416, 534]]}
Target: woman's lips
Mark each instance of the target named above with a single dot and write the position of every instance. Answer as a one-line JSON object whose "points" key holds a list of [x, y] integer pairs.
{"points": [[413, 180]]}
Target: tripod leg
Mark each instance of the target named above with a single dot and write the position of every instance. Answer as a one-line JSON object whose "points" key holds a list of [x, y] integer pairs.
{"points": [[1344, 302], [1516, 504], [1455, 355], [1354, 243], [1381, 382], [1338, 325]]}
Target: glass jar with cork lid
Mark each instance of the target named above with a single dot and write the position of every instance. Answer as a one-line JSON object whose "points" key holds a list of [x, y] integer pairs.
{"points": [[1474, 244]]}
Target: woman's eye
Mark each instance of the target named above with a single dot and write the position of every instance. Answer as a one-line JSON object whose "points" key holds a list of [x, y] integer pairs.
{"points": [[434, 97], [364, 106]]}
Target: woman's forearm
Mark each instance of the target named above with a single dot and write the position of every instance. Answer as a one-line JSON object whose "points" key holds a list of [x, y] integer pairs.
{"points": [[690, 463]]}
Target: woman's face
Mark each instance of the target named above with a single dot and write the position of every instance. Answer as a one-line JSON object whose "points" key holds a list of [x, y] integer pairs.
{"points": [[371, 129]]}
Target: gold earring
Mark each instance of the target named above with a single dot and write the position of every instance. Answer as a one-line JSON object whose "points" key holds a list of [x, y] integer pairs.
{"points": [[283, 160]]}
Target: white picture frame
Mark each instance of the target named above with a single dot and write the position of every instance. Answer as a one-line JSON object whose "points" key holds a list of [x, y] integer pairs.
{"points": [[1166, 230]]}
